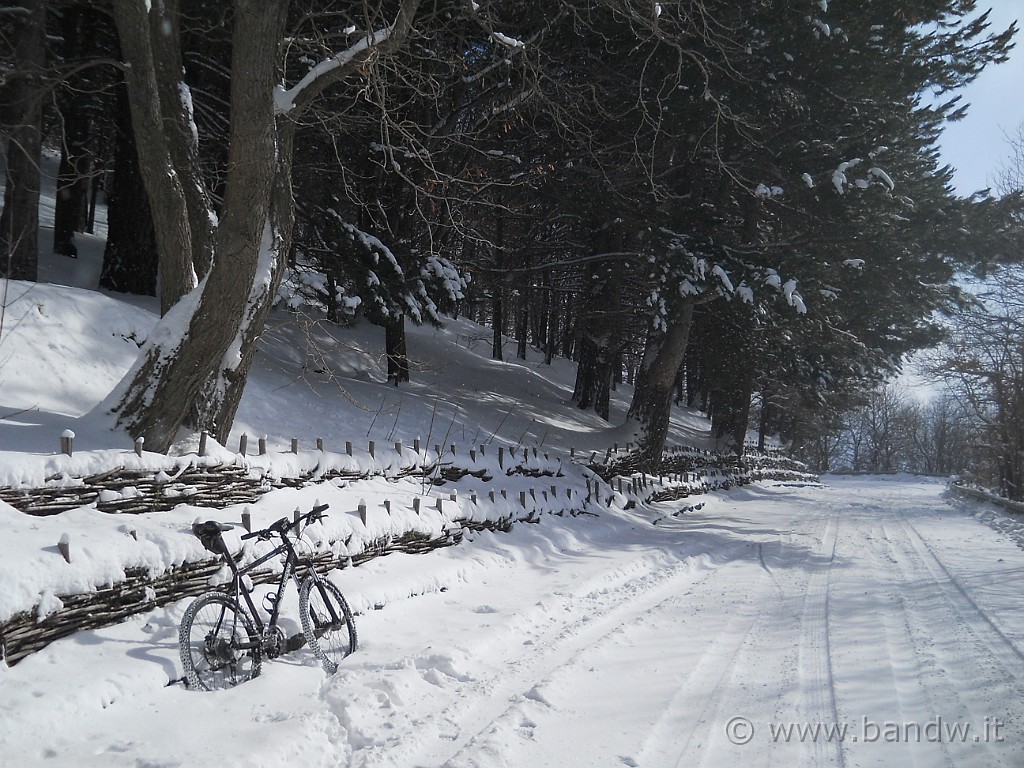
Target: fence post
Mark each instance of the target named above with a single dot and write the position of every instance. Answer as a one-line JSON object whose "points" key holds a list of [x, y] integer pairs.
{"points": [[67, 442], [243, 443], [139, 442], [202, 443]]}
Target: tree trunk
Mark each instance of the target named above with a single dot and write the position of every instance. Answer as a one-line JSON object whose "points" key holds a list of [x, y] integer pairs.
{"points": [[96, 185], [19, 220], [652, 398], [497, 319], [166, 144], [601, 333], [732, 363], [396, 351], [73, 176], [130, 257], [200, 382], [762, 427], [593, 378], [552, 331], [522, 324]]}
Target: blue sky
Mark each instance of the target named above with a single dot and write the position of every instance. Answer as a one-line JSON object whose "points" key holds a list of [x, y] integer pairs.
{"points": [[977, 145]]}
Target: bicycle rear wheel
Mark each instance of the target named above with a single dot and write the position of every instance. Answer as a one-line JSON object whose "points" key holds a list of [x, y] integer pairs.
{"points": [[327, 622], [218, 644]]}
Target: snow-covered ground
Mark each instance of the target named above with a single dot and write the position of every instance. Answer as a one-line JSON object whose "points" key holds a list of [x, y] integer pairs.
{"points": [[873, 605]]}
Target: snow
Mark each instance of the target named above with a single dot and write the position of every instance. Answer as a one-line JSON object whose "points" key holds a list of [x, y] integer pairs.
{"points": [[885, 178], [720, 273], [185, 94], [792, 297], [506, 40]]}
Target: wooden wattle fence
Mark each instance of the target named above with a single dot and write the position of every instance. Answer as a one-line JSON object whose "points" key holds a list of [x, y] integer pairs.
{"points": [[24, 633], [123, 490]]}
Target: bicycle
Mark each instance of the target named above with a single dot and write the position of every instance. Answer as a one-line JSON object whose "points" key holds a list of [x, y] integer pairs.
{"points": [[222, 639]]}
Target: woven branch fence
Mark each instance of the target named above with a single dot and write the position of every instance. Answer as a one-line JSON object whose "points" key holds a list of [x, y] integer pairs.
{"points": [[136, 491]]}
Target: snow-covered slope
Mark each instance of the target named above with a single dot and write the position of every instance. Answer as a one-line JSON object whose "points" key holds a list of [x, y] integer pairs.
{"points": [[63, 349]]}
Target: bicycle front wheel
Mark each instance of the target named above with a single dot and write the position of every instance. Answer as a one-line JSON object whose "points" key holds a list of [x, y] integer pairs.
{"points": [[327, 622], [218, 644]]}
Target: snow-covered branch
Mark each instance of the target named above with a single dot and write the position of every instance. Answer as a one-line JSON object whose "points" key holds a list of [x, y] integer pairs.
{"points": [[284, 100], [333, 69]]}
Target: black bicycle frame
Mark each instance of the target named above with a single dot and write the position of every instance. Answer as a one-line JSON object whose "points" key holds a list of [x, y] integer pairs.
{"points": [[292, 562]]}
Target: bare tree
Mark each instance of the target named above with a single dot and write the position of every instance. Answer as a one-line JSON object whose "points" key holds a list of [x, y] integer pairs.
{"points": [[984, 368]]}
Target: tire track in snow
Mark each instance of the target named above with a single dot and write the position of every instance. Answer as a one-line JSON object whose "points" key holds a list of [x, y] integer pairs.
{"points": [[692, 710], [902, 656], [705, 681], [792, 632], [938, 667], [959, 594], [593, 612], [945, 628], [817, 682]]}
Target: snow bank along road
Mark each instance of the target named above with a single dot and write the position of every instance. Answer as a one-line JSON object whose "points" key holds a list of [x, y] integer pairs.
{"points": [[866, 623]]}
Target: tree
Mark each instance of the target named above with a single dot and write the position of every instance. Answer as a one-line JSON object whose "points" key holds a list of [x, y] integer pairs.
{"points": [[984, 368], [130, 262], [19, 220]]}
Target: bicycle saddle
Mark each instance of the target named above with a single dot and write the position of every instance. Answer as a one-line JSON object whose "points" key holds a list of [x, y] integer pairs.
{"points": [[209, 534]]}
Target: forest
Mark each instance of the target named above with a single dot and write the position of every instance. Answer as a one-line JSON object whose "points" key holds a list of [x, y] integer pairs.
{"points": [[737, 207]]}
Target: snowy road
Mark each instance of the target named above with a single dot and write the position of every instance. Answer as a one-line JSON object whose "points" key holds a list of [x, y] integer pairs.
{"points": [[869, 623]]}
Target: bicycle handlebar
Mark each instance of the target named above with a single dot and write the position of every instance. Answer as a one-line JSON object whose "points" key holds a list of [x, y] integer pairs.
{"points": [[282, 526]]}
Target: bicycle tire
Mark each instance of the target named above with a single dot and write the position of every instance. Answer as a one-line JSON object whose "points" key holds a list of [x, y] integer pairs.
{"points": [[331, 634], [218, 643]]}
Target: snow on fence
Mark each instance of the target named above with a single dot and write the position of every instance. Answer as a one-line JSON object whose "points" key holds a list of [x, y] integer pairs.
{"points": [[980, 494], [27, 632], [516, 484]]}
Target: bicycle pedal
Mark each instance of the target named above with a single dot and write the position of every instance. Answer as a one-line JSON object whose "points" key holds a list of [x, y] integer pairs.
{"points": [[294, 643]]}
